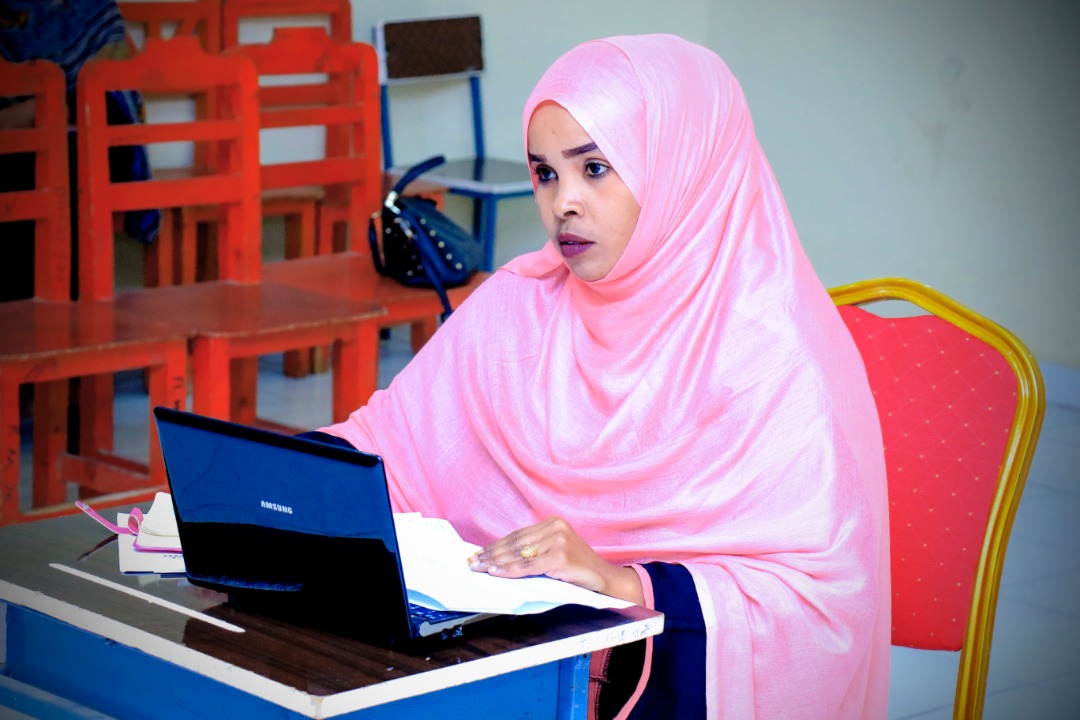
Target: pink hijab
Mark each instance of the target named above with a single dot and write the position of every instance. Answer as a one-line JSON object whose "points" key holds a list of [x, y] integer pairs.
{"points": [[702, 404]]}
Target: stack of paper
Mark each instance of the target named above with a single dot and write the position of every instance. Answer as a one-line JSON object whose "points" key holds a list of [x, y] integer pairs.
{"points": [[158, 531], [156, 547]]}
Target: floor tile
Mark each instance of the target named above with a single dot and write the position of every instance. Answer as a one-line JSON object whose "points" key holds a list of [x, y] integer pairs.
{"points": [[1056, 463], [1032, 643], [1031, 701], [1061, 420], [1048, 515], [1068, 683], [921, 681], [1059, 592], [1027, 560]]}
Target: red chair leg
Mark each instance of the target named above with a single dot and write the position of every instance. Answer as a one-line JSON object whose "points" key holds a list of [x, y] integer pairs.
{"points": [[9, 451], [300, 242], [213, 382], [50, 441]]}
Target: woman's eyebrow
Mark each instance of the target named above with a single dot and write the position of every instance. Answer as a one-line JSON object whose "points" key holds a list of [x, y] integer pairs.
{"points": [[580, 150]]}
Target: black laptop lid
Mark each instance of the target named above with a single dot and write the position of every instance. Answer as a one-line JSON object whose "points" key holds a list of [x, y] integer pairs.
{"points": [[260, 513]]}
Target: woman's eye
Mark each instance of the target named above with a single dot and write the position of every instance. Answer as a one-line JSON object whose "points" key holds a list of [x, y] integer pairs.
{"points": [[595, 168], [544, 173]]}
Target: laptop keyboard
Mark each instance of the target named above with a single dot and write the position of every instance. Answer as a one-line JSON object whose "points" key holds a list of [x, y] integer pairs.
{"points": [[421, 614]]}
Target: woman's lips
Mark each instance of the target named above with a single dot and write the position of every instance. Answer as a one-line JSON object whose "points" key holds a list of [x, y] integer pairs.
{"points": [[572, 245]]}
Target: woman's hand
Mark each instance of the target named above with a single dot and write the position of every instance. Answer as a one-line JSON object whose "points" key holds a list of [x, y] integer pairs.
{"points": [[554, 549]]}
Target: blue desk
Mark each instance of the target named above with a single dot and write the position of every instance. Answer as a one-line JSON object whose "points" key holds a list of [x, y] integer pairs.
{"points": [[83, 640]]}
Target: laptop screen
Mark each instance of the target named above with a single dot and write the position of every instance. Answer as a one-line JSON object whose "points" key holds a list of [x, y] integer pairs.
{"points": [[226, 473], [258, 511]]}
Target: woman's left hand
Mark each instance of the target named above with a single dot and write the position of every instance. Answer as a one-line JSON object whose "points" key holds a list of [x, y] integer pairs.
{"points": [[553, 548]]}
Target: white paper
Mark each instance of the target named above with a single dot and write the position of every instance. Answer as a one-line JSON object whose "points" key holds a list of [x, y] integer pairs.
{"points": [[133, 561], [158, 531], [435, 561]]}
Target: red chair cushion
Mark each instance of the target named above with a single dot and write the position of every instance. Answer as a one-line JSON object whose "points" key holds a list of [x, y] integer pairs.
{"points": [[946, 402]]}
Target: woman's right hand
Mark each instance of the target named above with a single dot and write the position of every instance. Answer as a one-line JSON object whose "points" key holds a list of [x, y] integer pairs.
{"points": [[553, 548]]}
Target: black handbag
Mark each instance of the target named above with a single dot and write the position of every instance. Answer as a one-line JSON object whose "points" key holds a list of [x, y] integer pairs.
{"points": [[420, 246]]}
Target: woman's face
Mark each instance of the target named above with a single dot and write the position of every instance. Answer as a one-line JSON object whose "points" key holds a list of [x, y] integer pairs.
{"points": [[588, 211]]}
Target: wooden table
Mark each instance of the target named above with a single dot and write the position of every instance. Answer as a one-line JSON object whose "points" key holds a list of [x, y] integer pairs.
{"points": [[227, 321], [352, 276], [83, 639]]}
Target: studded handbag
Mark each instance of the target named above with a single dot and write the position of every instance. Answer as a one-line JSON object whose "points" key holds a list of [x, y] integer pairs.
{"points": [[419, 246]]}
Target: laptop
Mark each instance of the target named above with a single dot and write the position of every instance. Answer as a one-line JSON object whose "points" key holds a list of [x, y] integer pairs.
{"points": [[287, 525]]}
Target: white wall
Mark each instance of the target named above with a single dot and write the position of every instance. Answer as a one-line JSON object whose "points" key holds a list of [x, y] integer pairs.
{"points": [[935, 140]]}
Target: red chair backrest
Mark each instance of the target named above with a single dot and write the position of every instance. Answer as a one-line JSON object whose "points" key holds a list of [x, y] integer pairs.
{"points": [[230, 181], [338, 15], [201, 18], [48, 203], [946, 401], [346, 103]]}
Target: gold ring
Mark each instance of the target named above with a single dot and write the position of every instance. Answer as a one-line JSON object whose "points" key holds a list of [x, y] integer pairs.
{"points": [[528, 552]]}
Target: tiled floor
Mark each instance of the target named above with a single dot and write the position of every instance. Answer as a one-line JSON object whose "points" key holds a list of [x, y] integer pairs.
{"points": [[1035, 670]]}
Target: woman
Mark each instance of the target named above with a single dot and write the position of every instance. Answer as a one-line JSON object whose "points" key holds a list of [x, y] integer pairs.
{"points": [[662, 404]]}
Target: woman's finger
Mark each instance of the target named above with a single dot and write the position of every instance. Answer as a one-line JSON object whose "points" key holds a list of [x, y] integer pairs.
{"points": [[517, 554]]}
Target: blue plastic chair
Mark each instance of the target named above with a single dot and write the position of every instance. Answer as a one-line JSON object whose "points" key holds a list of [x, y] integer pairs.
{"points": [[449, 49]]}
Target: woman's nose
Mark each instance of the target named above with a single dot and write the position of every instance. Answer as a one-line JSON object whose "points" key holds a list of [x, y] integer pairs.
{"points": [[567, 199]]}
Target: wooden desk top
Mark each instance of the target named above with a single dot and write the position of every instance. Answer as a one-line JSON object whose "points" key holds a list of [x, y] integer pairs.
{"points": [[51, 566], [353, 275], [223, 308], [31, 329]]}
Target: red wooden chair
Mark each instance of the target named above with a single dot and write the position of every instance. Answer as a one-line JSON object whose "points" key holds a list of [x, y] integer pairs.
{"points": [[325, 89], [318, 220], [47, 340], [234, 319], [961, 404], [172, 258], [333, 15], [333, 211], [298, 203], [347, 105], [160, 20]]}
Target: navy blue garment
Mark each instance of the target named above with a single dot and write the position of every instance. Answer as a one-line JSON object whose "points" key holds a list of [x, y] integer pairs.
{"points": [[676, 687], [66, 32], [131, 162]]}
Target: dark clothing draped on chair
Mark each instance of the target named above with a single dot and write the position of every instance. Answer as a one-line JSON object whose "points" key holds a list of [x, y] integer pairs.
{"points": [[68, 34]]}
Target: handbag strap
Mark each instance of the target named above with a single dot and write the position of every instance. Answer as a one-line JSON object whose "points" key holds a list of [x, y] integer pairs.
{"points": [[373, 241], [414, 172], [428, 256]]}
